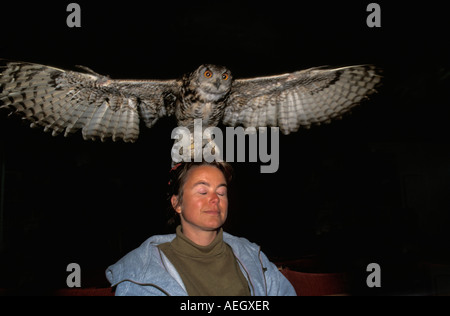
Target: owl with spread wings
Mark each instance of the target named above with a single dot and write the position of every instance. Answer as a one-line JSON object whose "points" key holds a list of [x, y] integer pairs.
{"points": [[103, 108]]}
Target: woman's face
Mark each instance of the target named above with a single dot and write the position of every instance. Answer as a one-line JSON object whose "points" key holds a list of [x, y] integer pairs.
{"points": [[205, 202]]}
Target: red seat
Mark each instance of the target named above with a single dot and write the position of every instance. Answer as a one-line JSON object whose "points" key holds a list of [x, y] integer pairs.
{"points": [[317, 284], [84, 292]]}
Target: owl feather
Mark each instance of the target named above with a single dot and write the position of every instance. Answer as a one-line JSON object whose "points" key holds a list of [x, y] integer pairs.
{"points": [[64, 101], [302, 98], [67, 101]]}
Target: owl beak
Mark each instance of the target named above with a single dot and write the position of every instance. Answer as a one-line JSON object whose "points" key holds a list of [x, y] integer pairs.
{"points": [[217, 83]]}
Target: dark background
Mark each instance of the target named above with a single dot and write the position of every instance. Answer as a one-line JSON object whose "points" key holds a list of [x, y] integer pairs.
{"points": [[373, 187]]}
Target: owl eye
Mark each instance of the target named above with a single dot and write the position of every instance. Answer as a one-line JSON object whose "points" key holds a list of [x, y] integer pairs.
{"points": [[225, 76], [208, 74]]}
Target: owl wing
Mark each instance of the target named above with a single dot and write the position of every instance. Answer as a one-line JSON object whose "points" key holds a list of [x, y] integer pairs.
{"points": [[301, 98], [102, 108]]}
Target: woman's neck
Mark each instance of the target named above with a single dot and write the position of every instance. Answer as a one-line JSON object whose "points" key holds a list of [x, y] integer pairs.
{"points": [[199, 236]]}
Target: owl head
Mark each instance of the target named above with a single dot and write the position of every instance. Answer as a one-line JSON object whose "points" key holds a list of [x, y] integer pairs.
{"points": [[213, 82]]}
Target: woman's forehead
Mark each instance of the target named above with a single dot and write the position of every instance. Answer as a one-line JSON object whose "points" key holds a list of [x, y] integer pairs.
{"points": [[207, 174]]}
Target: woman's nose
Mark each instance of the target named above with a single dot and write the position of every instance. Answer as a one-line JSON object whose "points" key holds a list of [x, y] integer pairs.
{"points": [[214, 198]]}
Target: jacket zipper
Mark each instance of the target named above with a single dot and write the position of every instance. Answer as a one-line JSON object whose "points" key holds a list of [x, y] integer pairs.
{"points": [[161, 258], [248, 275], [263, 270]]}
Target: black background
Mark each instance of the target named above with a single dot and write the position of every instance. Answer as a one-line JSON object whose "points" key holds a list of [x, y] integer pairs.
{"points": [[373, 187]]}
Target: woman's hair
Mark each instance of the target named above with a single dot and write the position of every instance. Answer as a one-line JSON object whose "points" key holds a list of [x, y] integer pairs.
{"points": [[178, 177]]}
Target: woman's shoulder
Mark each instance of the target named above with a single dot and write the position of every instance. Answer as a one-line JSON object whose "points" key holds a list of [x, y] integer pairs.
{"points": [[138, 260]]}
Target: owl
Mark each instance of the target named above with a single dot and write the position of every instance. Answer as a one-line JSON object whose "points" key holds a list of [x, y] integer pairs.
{"points": [[64, 101]]}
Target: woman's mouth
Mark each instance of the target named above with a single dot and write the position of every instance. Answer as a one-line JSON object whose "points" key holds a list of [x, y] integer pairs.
{"points": [[212, 212]]}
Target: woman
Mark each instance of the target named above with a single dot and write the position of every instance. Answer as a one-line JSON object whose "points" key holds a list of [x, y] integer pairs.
{"points": [[200, 259]]}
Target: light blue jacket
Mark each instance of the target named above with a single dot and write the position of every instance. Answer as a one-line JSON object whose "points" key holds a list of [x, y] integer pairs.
{"points": [[147, 271]]}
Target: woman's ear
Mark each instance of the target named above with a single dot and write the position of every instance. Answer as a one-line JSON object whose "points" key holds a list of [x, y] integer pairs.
{"points": [[174, 201]]}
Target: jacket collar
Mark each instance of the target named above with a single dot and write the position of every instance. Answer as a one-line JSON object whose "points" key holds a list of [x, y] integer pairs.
{"points": [[146, 265]]}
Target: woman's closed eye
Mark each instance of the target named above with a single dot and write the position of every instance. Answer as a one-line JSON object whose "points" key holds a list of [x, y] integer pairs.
{"points": [[218, 192], [222, 191]]}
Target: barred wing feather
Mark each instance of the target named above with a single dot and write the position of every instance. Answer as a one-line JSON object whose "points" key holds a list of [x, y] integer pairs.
{"points": [[67, 101], [301, 98]]}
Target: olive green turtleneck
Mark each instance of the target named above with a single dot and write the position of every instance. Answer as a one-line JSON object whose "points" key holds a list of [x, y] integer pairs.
{"points": [[206, 270]]}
